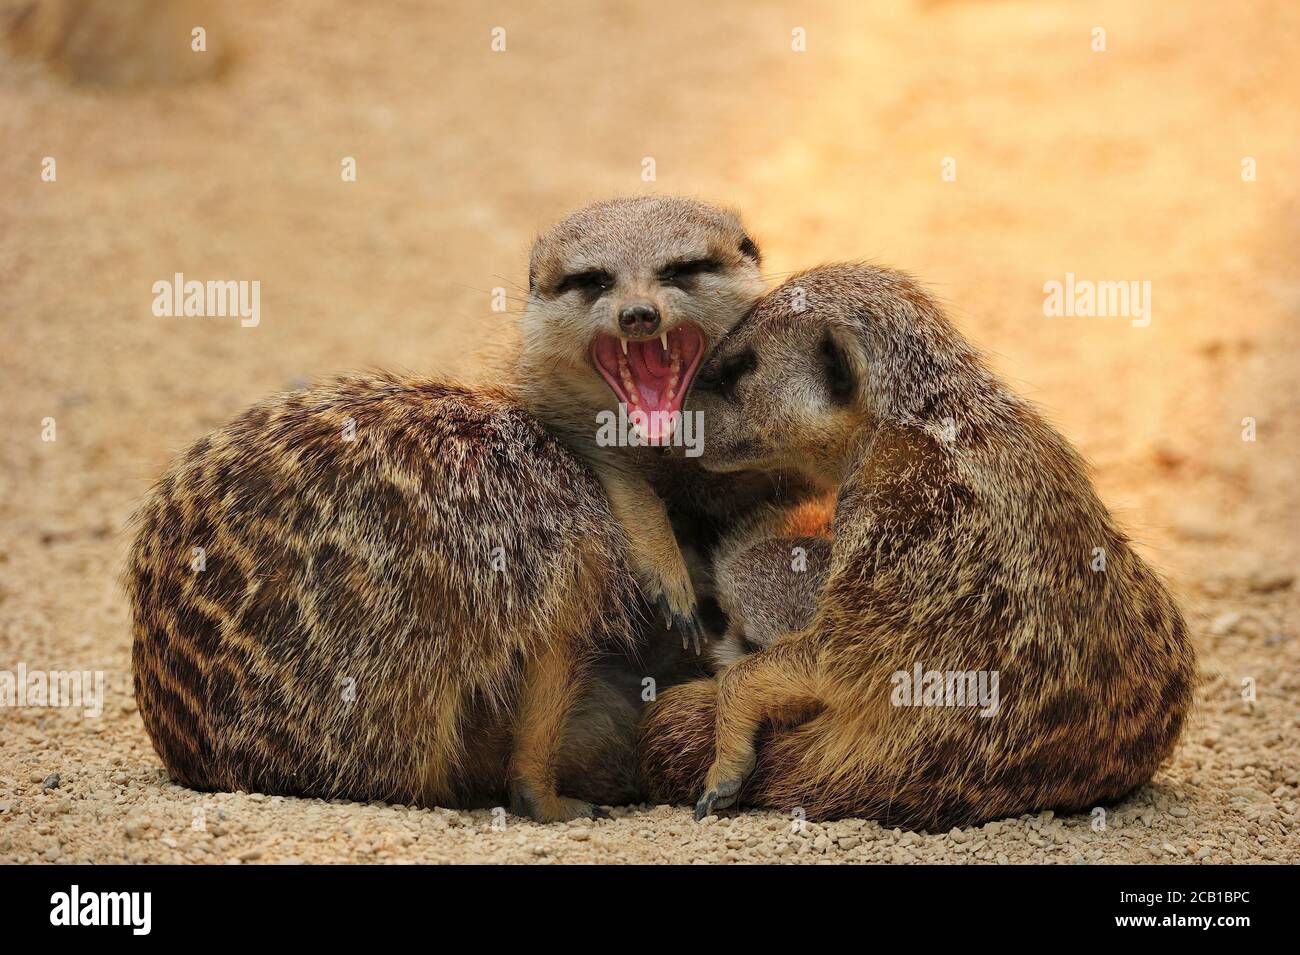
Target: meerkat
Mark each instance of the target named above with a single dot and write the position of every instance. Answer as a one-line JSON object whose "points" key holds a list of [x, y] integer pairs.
{"points": [[378, 588], [401, 588], [969, 541], [767, 574], [624, 300]]}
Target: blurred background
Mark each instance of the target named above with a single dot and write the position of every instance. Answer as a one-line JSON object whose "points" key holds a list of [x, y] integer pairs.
{"points": [[835, 127]]}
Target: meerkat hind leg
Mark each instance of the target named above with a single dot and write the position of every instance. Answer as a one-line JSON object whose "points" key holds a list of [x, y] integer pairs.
{"points": [[772, 686], [551, 684]]}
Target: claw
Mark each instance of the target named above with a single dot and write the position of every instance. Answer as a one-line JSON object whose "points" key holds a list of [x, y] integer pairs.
{"points": [[689, 626], [704, 808], [692, 629], [721, 796], [662, 603]]}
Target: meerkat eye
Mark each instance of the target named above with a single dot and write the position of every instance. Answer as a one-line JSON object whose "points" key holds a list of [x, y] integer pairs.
{"points": [[589, 282], [750, 250], [724, 377], [678, 273]]}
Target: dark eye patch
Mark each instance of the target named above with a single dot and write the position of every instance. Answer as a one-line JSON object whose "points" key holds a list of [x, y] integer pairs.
{"points": [[589, 282], [750, 250], [839, 373], [727, 374], [687, 269]]}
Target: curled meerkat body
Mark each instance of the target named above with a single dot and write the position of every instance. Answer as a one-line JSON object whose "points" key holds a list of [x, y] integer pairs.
{"points": [[767, 576], [967, 537], [399, 588], [380, 588]]}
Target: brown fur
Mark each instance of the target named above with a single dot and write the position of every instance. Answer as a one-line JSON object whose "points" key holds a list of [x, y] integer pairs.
{"points": [[367, 565], [350, 634], [964, 537], [767, 576]]}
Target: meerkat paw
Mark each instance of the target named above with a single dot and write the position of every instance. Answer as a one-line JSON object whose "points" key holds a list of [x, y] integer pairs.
{"points": [[552, 808], [685, 622], [721, 787]]}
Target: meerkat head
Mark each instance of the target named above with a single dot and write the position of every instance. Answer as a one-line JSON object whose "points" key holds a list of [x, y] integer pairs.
{"points": [[820, 361], [626, 297]]}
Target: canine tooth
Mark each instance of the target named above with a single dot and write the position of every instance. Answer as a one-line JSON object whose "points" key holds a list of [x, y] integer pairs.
{"points": [[663, 338], [623, 342]]}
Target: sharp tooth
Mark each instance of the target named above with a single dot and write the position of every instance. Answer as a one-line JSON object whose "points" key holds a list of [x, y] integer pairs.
{"points": [[623, 342], [663, 338]]}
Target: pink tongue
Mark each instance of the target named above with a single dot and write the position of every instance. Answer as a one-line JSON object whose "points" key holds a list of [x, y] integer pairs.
{"points": [[648, 365], [656, 359]]}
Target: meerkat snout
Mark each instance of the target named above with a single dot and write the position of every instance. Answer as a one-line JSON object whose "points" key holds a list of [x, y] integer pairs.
{"points": [[638, 319]]}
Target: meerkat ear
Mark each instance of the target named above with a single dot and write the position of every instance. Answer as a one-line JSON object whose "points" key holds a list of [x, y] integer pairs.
{"points": [[840, 375], [749, 250], [534, 264]]}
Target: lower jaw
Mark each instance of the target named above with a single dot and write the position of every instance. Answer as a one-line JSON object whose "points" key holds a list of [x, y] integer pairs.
{"points": [[655, 428]]}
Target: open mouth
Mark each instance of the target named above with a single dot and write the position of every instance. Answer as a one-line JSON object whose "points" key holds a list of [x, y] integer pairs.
{"points": [[651, 376]]}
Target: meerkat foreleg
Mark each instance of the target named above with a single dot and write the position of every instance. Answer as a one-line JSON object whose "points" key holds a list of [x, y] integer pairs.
{"points": [[655, 554], [776, 685]]}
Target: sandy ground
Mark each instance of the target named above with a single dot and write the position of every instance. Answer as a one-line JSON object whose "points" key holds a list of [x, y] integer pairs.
{"points": [[1116, 165]]}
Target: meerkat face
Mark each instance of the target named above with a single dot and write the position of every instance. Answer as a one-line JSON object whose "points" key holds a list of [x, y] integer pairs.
{"points": [[784, 389], [626, 297]]}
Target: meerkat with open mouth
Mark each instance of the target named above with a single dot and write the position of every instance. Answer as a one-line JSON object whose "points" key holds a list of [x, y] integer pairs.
{"points": [[625, 299]]}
